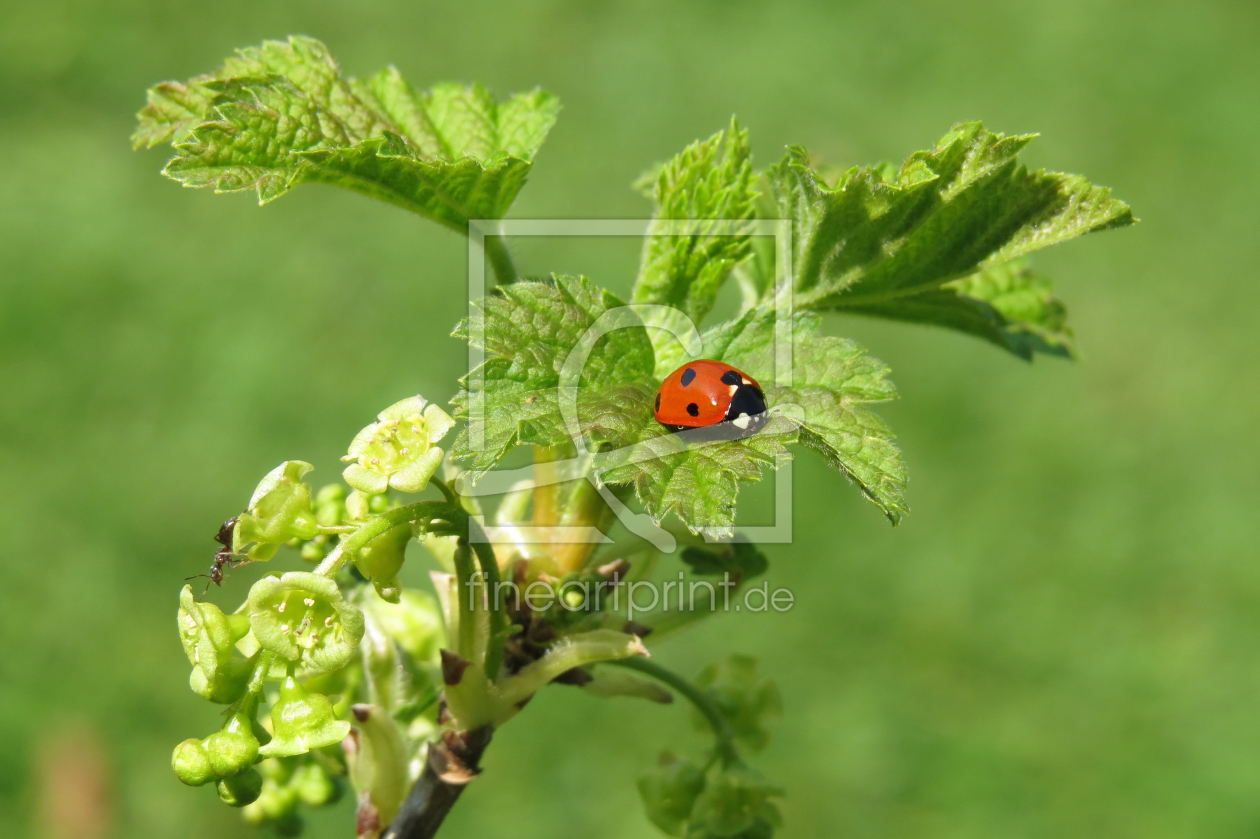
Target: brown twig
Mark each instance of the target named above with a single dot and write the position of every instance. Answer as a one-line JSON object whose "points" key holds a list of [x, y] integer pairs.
{"points": [[453, 762]]}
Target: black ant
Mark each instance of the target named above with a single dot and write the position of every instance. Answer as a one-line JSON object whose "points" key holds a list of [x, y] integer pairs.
{"points": [[223, 557]]}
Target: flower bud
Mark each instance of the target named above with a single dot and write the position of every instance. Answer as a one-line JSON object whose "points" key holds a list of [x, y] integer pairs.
{"points": [[278, 800], [280, 510], [314, 786], [330, 505], [747, 699], [670, 791], [302, 617], [241, 789], [301, 721], [399, 450], [191, 763], [209, 637], [314, 550], [359, 505], [234, 748], [381, 559]]}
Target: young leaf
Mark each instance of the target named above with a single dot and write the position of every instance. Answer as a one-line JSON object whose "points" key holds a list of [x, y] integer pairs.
{"points": [[708, 180], [881, 237], [741, 560], [528, 330], [1009, 305], [697, 482], [282, 114], [833, 380]]}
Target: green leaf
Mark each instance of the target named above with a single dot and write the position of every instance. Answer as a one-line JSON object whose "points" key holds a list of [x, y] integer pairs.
{"points": [[698, 482], [741, 560], [528, 330], [881, 234], [282, 114], [1009, 305], [833, 380], [173, 109], [708, 180]]}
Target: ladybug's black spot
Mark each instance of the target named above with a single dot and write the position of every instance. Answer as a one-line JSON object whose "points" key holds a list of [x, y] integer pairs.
{"points": [[658, 401], [732, 377], [693, 408], [688, 377]]}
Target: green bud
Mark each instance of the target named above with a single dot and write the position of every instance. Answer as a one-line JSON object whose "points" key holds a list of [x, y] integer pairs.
{"points": [[209, 637], [191, 763], [314, 786], [278, 799], [400, 449], [279, 510], [234, 748], [747, 699], [736, 802], [242, 789], [670, 791], [330, 505], [359, 505], [415, 622], [314, 550], [382, 558], [302, 617], [301, 721]]}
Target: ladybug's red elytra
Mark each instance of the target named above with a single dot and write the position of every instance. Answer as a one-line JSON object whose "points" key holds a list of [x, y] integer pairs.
{"points": [[706, 393]]}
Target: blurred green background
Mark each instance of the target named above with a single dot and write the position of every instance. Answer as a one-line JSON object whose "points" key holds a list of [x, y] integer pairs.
{"points": [[1063, 639]]}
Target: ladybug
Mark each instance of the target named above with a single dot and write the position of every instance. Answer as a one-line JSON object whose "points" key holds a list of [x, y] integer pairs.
{"points": [[705, 393]]}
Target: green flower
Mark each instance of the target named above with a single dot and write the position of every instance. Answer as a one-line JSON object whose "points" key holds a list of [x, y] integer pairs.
{"points": [[241, 790], [381, 559], [736, 804], [279, 511], [670, 791], [302, 617], [400, 449], [302, 721], [747, 699], [209, 638]]}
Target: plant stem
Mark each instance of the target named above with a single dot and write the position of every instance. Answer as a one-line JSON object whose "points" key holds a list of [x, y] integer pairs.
{"points": [[374, 527], [500, 259], [471, 530], [465, 644], [726, 750], [498, 611]]}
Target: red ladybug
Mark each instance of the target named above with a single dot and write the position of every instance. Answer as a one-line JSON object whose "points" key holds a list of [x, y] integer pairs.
{"points": [[706, 393]]}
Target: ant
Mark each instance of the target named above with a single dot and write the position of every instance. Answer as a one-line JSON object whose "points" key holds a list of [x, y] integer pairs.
{"points": [[223, 557]]}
